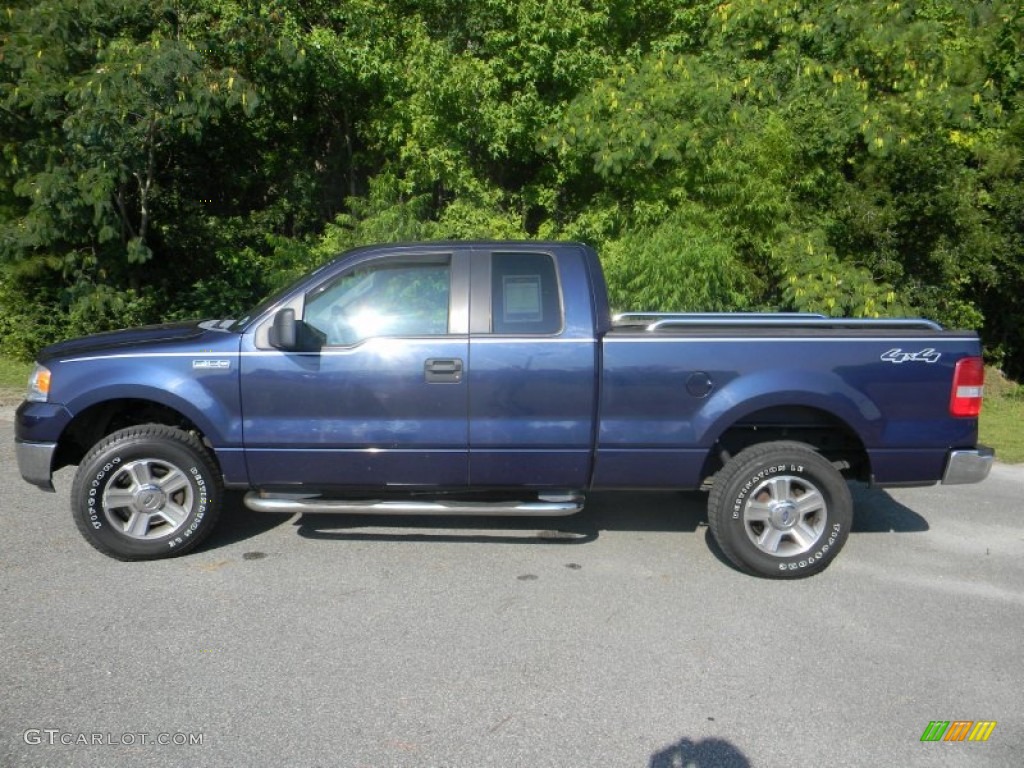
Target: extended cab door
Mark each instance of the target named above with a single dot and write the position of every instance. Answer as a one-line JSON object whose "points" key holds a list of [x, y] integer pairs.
{"points": [[381, 397], [532, 371]]}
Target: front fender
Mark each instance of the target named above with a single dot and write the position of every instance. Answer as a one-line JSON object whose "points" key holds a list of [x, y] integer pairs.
{"points": [[208, 397], [218, 422]]}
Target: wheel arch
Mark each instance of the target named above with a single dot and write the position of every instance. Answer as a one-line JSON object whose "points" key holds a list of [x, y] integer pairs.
{"points": [[811, 424], [95, 421]]}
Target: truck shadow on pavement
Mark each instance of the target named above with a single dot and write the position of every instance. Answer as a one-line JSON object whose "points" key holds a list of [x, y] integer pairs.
{"points": [[237, 523], [706, 753], [875, 511], [604, 512]]}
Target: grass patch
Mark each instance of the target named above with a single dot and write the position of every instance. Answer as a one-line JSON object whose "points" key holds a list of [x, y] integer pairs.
{"points": [[1002, 417], [14, 374], [13, 380]]}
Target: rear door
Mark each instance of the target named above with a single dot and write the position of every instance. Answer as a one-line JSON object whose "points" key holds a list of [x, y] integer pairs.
{"points": [[383, 401], [532, 364]]}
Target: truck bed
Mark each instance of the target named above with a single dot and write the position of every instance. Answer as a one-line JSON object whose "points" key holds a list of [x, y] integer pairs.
{"points": [[677, 389]]}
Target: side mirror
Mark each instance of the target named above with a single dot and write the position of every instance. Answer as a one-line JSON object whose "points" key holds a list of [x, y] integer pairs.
{"points": [[284, 332]]}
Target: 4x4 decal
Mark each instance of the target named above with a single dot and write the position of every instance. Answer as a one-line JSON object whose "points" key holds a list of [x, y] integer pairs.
{"points": [[898, 356]]}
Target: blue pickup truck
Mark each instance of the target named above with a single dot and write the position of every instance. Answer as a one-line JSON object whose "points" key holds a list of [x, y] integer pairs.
{"points": [[475, 378]]}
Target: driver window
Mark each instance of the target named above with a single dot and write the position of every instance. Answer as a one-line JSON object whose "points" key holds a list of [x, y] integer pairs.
{"points": [[389, 297]]}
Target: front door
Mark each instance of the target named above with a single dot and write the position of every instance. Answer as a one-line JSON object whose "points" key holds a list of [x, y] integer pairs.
{"points": [[383, 401]]}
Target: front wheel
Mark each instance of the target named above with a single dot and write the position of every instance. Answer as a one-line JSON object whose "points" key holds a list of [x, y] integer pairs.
{"points": [[146, 492], [780, 510]]}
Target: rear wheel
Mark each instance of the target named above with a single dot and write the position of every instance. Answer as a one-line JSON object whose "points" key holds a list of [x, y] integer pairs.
{"points": [[146, 492], [780, 510]]}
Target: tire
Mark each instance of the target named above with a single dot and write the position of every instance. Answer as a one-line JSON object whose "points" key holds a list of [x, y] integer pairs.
{"points": [[147, 492], [780, 510]]}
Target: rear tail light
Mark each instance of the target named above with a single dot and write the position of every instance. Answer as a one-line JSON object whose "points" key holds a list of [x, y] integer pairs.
{"points": [[968, 388]]}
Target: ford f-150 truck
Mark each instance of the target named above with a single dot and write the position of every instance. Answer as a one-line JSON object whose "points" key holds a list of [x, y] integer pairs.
{"points": [[476, 378]]}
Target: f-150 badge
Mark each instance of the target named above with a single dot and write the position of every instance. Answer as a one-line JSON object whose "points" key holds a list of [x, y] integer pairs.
{"points": [[898, 356], [219, 365]]}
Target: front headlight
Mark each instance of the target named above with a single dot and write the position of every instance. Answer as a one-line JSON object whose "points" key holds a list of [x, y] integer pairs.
{"points": [[39, 385]]}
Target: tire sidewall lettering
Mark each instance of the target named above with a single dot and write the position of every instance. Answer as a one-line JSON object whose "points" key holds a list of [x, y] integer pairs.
{"points": [[93, 505], [811, 558], [200, 509]]}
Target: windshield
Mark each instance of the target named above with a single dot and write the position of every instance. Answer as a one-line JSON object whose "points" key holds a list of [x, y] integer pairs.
{"points": [[273, 299]]}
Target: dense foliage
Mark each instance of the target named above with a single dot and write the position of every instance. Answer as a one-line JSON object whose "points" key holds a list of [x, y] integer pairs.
{"points": [[170, 158]]}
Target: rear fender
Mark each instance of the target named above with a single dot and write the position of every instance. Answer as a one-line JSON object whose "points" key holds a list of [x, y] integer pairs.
{"points": [[755, 392]]}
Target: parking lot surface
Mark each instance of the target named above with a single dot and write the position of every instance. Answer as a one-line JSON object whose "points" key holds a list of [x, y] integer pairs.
{"points": [[618, 637]]}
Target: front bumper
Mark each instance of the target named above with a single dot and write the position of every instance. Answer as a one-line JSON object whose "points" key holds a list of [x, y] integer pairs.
{"points": [[35, 462], [968, 466]]}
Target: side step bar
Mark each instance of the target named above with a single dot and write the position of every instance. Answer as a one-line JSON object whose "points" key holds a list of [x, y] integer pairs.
{"points": [[553, 505]]}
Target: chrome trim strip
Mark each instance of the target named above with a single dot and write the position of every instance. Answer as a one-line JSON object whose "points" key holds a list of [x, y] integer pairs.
{"points": [[131, 355], [558, 505], [789, 322], [715, 315], [526, 340], [748, 339]]}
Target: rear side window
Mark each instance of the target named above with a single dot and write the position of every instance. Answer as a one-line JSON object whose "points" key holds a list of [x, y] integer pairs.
{"points": [[524, 294]]}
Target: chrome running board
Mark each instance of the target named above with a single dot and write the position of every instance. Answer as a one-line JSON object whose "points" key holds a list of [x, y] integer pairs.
{"points": [[546, 505]]}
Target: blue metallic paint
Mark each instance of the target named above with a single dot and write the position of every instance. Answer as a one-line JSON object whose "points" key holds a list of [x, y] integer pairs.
{"points": [[124, 341], [364, 417], [529, 400], [207, 397], [361, 415], [907, 466], [40, 422], [648, 421], [158, 371], [649, 468], [533, 399]]}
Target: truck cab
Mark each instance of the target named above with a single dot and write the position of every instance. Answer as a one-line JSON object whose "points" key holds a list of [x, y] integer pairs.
{"points": [[446, 366]]}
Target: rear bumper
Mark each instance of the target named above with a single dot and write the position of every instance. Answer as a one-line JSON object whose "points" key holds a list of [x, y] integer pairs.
{"points": [[968, 466], [35, 461]]}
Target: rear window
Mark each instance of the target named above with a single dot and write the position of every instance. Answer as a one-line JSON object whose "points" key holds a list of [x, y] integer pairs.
{"points": [[524, 294]]}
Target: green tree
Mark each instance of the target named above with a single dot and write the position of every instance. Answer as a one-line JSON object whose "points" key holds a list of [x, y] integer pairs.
{"points": [[100, 101], [180, 157]]}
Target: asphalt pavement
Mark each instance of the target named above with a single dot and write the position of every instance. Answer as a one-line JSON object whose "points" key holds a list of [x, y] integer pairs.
{"points": [[618, 637]]}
